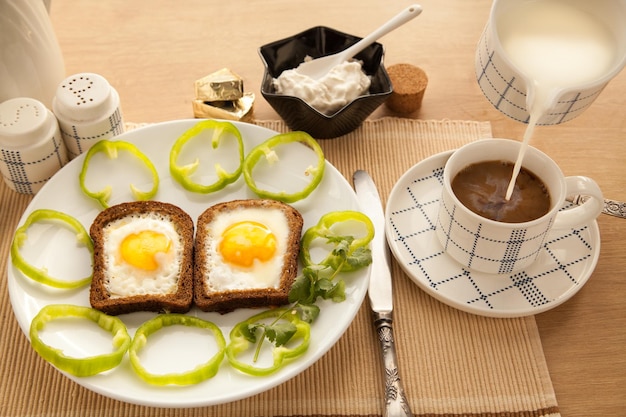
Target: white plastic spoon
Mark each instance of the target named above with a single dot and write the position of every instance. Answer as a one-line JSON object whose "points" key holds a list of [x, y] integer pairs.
{"points": [[318, 67]]}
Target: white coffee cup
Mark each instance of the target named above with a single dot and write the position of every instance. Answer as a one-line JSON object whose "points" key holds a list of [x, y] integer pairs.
{"points": [[497, 247]]}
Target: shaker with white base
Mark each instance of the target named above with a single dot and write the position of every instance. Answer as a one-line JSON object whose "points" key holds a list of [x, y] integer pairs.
{"points": [[31, 148], [88, 110]]}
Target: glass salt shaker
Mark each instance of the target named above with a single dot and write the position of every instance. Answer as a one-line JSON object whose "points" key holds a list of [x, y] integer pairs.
{"points": [[88, 110]]}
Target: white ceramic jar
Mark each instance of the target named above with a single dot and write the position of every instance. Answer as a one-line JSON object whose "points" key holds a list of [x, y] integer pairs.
{"points": [[31, 63]]}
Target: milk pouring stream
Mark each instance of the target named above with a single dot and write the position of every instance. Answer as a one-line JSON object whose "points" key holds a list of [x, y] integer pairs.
{"points": [[556, 46]]}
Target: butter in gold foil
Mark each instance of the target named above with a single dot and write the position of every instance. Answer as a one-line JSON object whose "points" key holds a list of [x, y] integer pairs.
{"points": [[223, 85], [238, 110]]}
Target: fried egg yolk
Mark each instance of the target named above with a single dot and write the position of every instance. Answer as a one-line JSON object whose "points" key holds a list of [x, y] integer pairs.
{"points": [[140, 249], [245, 248], [143, 254], [245, 241]]}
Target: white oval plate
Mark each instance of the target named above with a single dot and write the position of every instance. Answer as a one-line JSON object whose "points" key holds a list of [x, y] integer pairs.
{"points": [[565, 264], [62, 193]]}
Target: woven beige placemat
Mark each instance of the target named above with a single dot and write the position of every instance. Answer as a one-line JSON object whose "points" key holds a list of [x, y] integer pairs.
{"points": [[452, 363]]}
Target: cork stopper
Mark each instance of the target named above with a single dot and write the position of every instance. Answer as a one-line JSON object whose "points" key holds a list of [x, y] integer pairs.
{"points": [[409, 84]]}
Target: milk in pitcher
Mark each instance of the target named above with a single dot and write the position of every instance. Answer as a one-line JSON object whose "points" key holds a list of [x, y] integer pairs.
{"points": [[556, 46]]}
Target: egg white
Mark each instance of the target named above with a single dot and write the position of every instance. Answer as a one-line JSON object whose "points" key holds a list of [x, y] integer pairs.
{"points": [[122, 279], [222, 276]]}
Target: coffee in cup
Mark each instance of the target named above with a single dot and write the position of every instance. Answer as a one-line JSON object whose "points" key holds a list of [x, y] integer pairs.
{"points": [[495, 246], [482, 187]]}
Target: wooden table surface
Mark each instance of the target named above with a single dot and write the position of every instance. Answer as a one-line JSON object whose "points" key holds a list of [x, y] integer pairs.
{"points": [[152, 51]]}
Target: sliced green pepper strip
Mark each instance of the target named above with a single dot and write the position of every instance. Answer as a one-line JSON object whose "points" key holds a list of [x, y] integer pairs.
{"points": [[41, 274], [183, 174], [199, 373], [111, 149], [281, 355], [323, 230], [266, 149], [88, 366]]}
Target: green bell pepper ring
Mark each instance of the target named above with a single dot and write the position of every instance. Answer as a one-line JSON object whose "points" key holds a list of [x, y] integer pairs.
{"points": [[323, 230], [281, 355], [111, 149], [199, 373], [183, 174], [81, 367], [266, 149], [41, 274]]}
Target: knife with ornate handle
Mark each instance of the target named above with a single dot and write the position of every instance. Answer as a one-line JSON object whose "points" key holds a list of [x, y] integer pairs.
{"points": [[380, 294]]}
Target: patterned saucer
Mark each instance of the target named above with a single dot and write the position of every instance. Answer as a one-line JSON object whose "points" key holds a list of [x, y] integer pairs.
{"points": [[563, 267]]}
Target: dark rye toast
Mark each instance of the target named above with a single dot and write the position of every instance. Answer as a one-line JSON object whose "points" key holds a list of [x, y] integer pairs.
{"points": [[223, 301], [177, 300]]}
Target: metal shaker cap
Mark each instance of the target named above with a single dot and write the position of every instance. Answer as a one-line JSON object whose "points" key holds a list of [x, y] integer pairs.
{"points": [[24, 122], [84, 97]]}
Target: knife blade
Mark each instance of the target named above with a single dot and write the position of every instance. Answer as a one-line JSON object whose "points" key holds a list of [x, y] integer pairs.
{"points": [[380, 293]]}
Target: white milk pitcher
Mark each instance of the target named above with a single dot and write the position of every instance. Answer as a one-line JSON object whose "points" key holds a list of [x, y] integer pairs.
{"points": [[550, 58], [31, 64]]}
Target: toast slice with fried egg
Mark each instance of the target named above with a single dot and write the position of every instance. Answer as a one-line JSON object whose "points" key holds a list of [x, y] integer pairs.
{"points": [[143, 258], [246, 254]]}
